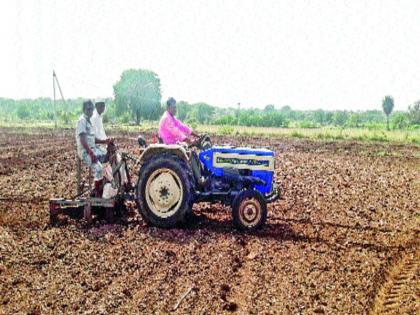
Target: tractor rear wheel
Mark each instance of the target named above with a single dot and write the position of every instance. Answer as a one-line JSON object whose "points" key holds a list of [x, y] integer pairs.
{"points": [[249, 210], [164, 191]]}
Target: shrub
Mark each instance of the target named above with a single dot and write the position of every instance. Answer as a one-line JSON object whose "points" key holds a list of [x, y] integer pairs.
{"points": [[193, 124], [125, 118], [381, 137], [297, 134], [23, 112], [399, 121], [307, 124], [225, 130]]}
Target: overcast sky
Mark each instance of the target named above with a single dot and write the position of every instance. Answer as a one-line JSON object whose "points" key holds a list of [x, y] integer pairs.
{"points": [[306, 54]]}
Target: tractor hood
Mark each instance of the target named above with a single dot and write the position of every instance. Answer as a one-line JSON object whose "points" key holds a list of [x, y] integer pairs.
{"points": [[239, 158], [260, 162]]}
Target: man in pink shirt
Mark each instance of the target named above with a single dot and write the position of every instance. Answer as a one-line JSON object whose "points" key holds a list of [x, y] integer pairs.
{"points": [[171, 130]]}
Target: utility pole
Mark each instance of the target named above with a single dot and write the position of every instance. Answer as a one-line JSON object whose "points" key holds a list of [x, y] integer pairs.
{"points": [[55, 80], [55, 114], [238, 111], [59, 88]]}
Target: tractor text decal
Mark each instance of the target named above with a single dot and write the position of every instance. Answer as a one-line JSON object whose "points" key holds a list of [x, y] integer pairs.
{"points": [[236, 161], [243, 161]]}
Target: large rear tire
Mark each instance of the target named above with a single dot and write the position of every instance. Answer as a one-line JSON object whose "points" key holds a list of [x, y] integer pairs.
{"points": [[163, 192]]}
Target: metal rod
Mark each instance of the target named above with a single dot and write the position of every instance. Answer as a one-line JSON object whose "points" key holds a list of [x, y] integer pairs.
{"points": [[79, 166]]}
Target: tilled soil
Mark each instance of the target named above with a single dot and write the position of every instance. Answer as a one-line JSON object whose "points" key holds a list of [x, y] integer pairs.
{"points": [[331, 245], [400, 292]]}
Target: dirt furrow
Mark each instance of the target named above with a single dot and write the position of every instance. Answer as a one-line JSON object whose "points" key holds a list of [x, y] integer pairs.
{"points": [[400, 293]]}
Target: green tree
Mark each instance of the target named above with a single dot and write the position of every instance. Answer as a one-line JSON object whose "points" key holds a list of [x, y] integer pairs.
{"points": [[65, 116], [182, 109], [340, 118], [269, 108], [373, 116], [387, 106], [23, 111], [319, 117], [273, 119], [414, 113], [400, 120], [138, 92], [227, 120], [201, 112], [286, 109], [354, 120]]}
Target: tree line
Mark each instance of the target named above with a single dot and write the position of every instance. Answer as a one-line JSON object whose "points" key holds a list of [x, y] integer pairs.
{"points": [[137, 97]]}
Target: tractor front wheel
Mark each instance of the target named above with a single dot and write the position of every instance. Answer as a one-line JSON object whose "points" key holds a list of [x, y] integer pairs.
{"points": [[164, 191], [249, 210]]}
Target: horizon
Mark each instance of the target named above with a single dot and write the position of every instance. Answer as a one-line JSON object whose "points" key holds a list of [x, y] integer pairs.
{"points": [[305, 54], [232, 107]]}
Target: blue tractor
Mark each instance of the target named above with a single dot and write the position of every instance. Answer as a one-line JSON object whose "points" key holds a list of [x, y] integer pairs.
{"points": [[171, 178], [174, 177]]}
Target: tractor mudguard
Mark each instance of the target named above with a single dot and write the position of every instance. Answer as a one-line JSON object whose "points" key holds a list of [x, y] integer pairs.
{"points": [[158, 148]]}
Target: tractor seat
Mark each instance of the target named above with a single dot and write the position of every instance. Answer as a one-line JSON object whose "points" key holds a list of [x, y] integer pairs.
{"points": [[199, 173]]}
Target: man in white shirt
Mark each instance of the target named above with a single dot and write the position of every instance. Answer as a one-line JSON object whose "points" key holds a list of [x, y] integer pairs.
{"points": [[98, 129], [97, 124], [87, 146]]}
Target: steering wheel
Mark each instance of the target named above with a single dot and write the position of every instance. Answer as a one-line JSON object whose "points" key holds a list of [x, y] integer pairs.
{"points": [[204, 142]]}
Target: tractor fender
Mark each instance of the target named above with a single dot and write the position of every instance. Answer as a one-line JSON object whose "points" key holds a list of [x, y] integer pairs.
{"points": [[158, 148]]}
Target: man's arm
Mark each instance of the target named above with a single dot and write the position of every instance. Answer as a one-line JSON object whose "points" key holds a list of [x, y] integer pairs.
{"points": [[106, 141], [183, 128], [86, 147]]}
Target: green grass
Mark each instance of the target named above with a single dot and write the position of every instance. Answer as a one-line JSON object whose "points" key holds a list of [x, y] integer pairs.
{"points": [[333, 134], [297, 134], [383, 153], [326, 133]]}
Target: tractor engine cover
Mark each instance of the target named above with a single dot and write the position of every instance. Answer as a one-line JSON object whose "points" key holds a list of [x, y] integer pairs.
{"points": [[259, 163]]}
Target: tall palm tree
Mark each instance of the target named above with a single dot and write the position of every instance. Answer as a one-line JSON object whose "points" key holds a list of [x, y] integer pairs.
{"points": [[387, 106]]}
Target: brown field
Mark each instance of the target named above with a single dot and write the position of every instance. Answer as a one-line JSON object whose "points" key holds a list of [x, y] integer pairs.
{"points": [[343, 239]]}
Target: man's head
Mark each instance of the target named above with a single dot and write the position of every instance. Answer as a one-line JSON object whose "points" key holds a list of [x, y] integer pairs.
{"points": [[88, 108], [100, 107], [171, 106]]}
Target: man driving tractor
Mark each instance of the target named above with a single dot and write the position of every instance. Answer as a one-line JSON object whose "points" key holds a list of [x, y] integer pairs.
{"points": [[171, 130], [87, 149]]}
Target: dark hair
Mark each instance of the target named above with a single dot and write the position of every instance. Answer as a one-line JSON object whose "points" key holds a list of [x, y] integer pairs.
{"points": [[171, 101], [86, 104], [100, 103]]}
